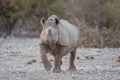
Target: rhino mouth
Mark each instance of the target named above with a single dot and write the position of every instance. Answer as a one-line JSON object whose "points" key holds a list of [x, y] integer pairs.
{"points": [[51, 42]]}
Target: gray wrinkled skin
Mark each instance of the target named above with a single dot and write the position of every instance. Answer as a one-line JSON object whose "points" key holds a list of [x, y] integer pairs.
{"points": [[58, 38]]}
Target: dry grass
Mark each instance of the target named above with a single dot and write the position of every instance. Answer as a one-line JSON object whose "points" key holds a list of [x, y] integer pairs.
{"points": [[89, 37], [111, 38], [93, 37]]}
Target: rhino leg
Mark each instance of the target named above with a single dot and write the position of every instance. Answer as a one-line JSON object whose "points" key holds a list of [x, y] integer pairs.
{"points": [[57, 63], [47, 64], [72, 58], [43, 52]]}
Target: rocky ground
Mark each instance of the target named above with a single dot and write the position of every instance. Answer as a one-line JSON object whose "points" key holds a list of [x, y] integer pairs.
{"points": [[15, 54]]}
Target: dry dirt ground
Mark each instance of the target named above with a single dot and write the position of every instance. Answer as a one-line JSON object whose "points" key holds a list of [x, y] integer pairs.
{"points": [[16, 52]]}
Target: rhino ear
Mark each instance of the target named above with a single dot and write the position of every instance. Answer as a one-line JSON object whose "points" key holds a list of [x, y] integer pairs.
{"points": [[57, 20], [42, 21]]}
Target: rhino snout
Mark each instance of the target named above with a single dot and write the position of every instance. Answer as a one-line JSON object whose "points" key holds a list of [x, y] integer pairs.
{"points": [[50, 42]]}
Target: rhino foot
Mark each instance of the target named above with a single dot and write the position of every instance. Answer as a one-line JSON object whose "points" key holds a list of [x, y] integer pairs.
{"points": [[48, 66], [57, 70], [72, 69]]}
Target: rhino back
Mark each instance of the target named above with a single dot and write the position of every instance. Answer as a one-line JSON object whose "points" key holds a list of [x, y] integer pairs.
{"points": [[70, 33]]}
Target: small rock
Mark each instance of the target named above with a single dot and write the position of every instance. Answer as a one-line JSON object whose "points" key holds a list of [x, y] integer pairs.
{"points": [[89, 57], [118, 56], [41, 61], [78, 57], [118, 59], [33, 61], [29, 62]]}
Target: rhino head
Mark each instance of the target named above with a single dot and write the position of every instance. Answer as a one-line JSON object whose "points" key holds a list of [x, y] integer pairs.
{"points": [[50, 29]]}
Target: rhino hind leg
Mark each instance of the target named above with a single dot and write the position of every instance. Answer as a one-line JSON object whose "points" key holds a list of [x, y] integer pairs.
{"points": [[71, 62]]}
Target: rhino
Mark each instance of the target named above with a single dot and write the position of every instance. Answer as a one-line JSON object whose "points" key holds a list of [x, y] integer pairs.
{"points": [[58, 37]]}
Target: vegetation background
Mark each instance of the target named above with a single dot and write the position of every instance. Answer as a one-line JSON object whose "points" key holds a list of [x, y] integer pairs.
{"points": [[97, 20]]}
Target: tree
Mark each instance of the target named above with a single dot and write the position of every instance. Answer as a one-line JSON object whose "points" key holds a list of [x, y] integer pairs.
{"points": [[13, 10], [6, 9]]}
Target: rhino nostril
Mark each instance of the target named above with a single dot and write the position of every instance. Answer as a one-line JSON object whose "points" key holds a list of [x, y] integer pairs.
{"points": [[47, 41], [49, 32], [54, 41]]}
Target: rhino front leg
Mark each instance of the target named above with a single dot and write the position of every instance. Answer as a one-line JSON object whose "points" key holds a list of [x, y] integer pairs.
{"points": [[43, 52], [47, 64], [71, 63], [57, 64]]}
